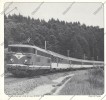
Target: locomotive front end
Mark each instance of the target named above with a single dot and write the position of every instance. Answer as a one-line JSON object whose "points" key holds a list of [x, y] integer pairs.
{"points": [[19, 59]]}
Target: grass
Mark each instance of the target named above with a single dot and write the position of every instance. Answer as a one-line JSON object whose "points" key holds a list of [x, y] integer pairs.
{"points": [[85, 82], [89, 83], [96, 78]]}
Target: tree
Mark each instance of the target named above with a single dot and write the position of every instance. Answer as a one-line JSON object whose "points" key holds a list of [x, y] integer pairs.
{"points": [[61, 36]]}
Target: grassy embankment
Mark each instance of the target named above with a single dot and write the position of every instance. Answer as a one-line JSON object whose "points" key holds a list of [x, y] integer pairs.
{"points": [[89, 83]]}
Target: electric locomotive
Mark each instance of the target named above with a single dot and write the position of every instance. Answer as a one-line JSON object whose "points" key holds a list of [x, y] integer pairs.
{"points": [[26, 59]]}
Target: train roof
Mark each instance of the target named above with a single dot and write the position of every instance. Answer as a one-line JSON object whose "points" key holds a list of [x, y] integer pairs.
{"points": [[53, 53], [29, 46], [41, 49]]}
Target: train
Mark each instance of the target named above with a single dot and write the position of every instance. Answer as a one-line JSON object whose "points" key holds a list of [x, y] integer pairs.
{"points": [[24, 59]]}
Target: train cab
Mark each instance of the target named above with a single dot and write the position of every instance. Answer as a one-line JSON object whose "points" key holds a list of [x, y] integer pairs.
{"points": [[24, 58]]}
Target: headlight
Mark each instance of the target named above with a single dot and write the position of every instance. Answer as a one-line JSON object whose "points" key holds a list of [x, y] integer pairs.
{"points": [[25, 60], [12, 60]]}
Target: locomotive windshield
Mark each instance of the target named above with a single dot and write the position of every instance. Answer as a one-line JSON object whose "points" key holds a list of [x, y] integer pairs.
{"points": [[21, 49]]}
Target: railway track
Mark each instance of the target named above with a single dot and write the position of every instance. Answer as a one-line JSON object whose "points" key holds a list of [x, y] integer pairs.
{"points": [[10, 78]]}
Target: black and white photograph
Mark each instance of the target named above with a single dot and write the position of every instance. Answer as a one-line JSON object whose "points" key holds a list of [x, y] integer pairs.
{"points": [[53, 48]]}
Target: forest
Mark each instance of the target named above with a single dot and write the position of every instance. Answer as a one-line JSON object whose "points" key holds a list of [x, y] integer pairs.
{"points": [[82, 41]]}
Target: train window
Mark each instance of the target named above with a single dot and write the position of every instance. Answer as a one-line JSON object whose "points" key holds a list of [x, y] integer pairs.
{"points": [[42, 53], [26, 50], [21, 49], [76, 62], [34, 51], [60, 60], [12, 49], [54, 59]]}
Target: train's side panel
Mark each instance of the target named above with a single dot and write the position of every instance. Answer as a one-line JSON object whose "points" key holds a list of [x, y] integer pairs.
{"points": [[87, 64], [41, 62], [76, 64], [60, 66], [63, 63], [59, 63]]}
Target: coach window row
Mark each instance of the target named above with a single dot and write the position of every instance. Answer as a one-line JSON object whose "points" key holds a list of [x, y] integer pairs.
{"points": [[21, 49], [42, 53]]}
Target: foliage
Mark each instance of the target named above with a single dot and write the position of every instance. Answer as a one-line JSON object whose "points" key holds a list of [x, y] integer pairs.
{"points": [[60, 36]]}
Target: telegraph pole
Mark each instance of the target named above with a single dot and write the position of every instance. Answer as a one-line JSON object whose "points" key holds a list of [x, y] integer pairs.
{"points": [[45, 45], [68, 53], [93, 53], [97, 58], [84, 56]]}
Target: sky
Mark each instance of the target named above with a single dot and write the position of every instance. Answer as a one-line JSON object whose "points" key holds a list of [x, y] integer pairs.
{"points": [[85, 13]]}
